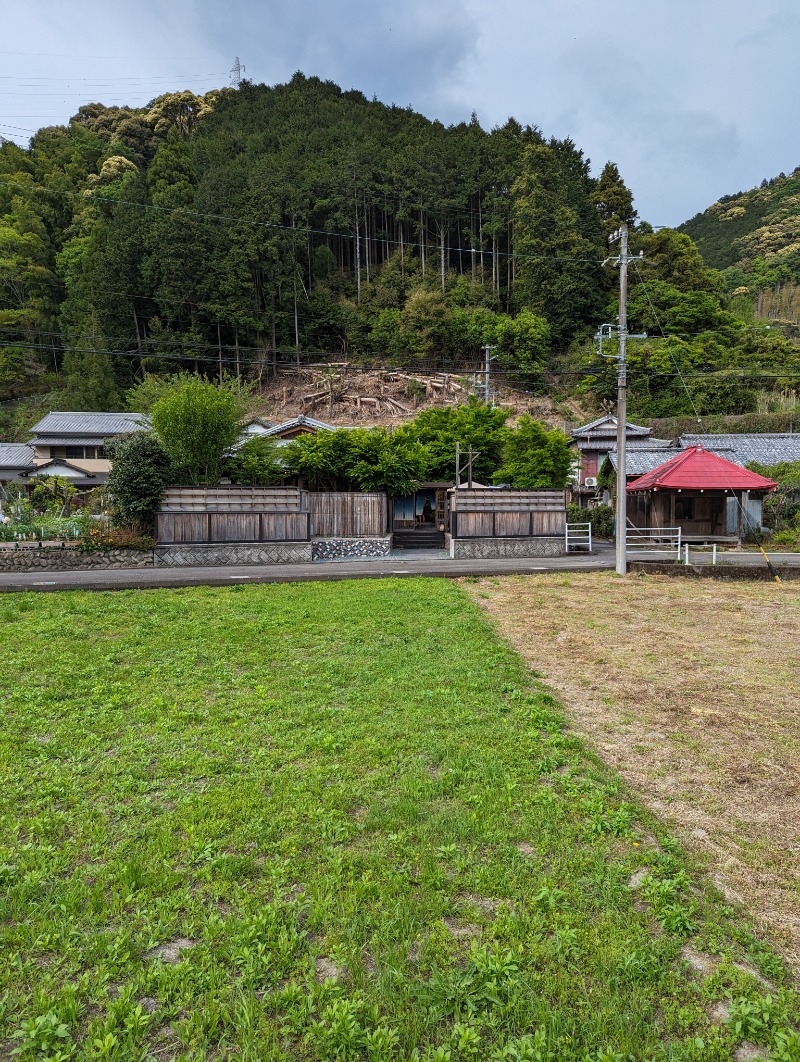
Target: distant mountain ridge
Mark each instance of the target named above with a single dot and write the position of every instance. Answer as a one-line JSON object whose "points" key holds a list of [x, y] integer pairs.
{"points": [[754, 233]]}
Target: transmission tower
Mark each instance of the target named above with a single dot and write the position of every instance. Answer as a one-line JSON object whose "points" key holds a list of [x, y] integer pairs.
{"points": [[236, 73]]}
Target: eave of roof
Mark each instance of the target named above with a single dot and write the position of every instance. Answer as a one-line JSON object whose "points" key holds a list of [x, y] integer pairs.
{"points": [[607, 426], [301, 421], [639, 461], [16, 455], [96, 425], [768, 448]]}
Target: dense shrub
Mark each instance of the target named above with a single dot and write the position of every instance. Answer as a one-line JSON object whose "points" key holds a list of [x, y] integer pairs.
{"points": [[601, 517], [139, 475], [103, 541]]}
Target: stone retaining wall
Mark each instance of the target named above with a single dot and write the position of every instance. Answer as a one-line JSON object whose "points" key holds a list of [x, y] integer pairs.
{"points": [[220, 556], [341, 548], [54, 559], [70, 560], [721, 570], [497, 548]]}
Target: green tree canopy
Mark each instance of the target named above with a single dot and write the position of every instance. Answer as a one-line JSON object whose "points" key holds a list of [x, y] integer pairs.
{"points": [[197, 423], [357, 459], [473, 424], [257, 463], [534, 457]]}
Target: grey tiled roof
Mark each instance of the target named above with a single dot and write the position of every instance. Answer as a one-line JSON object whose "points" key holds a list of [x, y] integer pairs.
{"points": [[93, 425], [16, 455], [648, 444], [767, 449], [639, 461], [299, 422], [606, 427]]}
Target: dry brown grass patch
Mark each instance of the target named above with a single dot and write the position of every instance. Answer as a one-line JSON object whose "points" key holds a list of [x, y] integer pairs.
{"points": [[691, 691]]}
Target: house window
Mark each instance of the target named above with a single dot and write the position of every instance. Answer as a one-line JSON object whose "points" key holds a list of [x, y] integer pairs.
{"points": [[73, 451], [684, 509]]}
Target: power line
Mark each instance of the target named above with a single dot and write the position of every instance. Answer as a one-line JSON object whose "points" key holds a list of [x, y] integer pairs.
{"points": [[108, 80], [126, 58], [290, 356], [296, 229]]}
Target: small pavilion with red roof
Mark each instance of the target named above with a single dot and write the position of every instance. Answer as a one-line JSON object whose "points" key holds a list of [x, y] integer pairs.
{"points": [[707, 497]]}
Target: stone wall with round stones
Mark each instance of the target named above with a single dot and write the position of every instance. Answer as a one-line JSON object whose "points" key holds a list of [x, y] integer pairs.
{"points": [[54, 559], [497, 548], [342, 548]]}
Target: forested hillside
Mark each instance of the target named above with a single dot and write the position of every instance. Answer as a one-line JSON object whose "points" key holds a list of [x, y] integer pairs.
{"points": [[754, 237], [754, 229], [250, 228]]}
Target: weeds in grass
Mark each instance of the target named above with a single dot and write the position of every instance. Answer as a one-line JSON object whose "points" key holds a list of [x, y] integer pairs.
{"points": [[289, 822]]}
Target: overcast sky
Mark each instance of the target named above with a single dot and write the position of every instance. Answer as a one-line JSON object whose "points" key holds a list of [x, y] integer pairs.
{"points": [[693, 99]]}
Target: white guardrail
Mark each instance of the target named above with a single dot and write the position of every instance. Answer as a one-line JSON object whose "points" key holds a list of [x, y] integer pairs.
{"points": [[578, 536], [653, 539]]}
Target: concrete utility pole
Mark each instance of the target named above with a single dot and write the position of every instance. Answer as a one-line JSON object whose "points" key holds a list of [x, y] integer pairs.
{"points": [[487, 394], [606, 332], [622, 397]]}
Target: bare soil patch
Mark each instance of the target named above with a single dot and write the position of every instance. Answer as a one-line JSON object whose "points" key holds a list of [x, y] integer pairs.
{"points": [[691, 691], [326, 969], [172, 950], [460, 930]]}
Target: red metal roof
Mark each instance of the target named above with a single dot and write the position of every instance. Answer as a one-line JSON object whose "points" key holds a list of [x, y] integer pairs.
{"points": [[697, 469]]}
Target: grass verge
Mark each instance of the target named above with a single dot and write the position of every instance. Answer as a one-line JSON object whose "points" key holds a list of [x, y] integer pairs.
{"points": [[336, 821]]}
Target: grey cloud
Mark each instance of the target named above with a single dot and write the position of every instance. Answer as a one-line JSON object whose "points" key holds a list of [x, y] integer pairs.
{"points": [[692, 100], [400, 53]]}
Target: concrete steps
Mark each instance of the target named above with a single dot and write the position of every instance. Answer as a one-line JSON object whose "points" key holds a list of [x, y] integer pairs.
{"points": [[418, 540]]}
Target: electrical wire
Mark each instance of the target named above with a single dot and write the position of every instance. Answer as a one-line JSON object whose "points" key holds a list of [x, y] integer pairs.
{"points": [[252, 355], [294, 229], [107, 80], [744, 520]]}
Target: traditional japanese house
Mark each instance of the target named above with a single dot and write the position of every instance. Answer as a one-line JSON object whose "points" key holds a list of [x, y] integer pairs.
{"points": [[767, 448], [16, 463], [72, 445], [292, 429], [594, 441]]}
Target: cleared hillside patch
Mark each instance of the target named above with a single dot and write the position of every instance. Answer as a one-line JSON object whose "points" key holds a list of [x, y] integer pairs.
{"points": [[691, 690], [335, 821]]}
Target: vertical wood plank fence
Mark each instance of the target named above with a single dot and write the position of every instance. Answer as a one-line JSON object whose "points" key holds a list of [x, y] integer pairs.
{"points": [[483, 513], [348, 514], [195, 515]]}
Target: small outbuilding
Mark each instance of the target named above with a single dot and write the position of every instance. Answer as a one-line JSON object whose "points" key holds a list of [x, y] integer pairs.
{"points": [[703, 494]]}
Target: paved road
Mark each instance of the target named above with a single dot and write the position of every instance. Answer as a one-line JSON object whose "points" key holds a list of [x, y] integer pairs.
{"points": [[434, 563], [431, 563]]}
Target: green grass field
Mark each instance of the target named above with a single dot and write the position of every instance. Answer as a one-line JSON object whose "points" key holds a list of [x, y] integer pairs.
{"points": [[335, 820]]}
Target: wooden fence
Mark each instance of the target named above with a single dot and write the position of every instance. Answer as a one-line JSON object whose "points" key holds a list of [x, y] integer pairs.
{"points": [[484, 513], [266, 514], [348, 515]]}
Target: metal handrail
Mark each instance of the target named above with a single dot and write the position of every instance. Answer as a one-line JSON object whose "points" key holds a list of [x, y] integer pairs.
{"points": [[577, 536], [658, 537]]}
